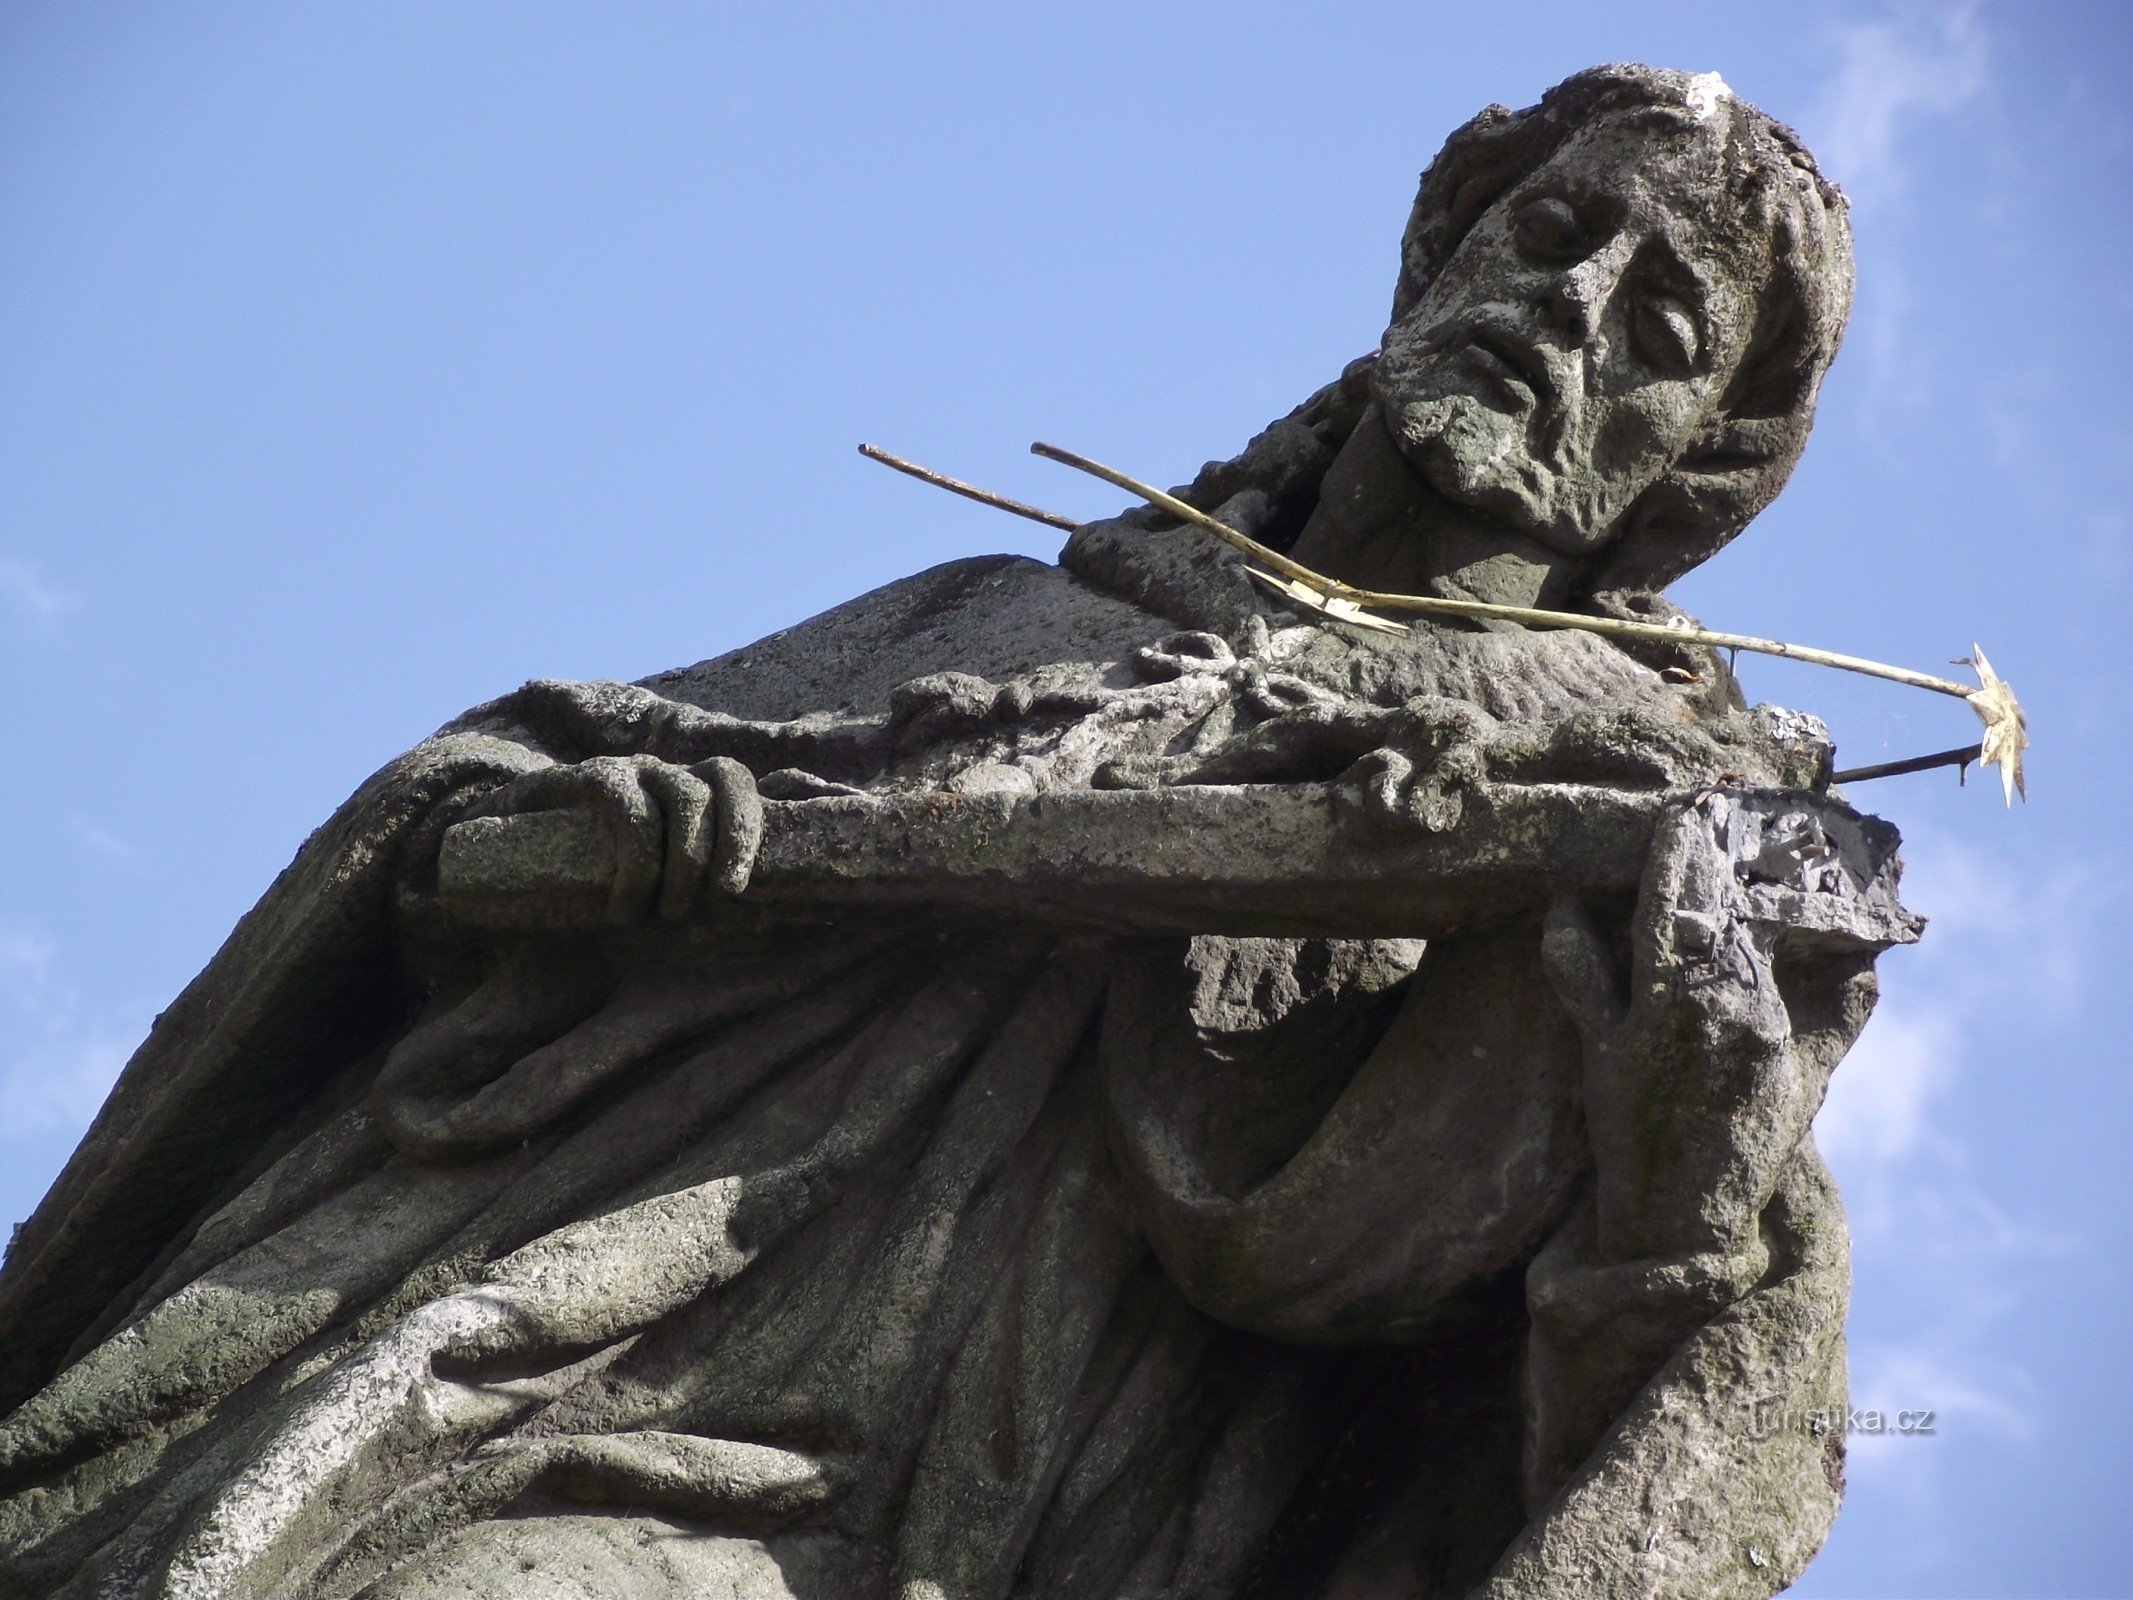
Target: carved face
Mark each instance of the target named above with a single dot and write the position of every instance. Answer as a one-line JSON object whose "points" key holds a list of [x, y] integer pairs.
{"points": [[1578, 337]]}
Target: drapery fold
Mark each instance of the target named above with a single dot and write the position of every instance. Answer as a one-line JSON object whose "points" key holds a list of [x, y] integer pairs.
{"points": [[881, 1252]]}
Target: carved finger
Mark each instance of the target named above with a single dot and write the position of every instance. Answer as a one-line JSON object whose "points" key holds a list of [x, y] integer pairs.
{"points": [[1431, 728], [740, 822], [688, 806], [1381, 780], [551, 788], [612, 785], [1189, 654], [1295, 747], [1392, 790], [1680, 913], [1581, 970], [607, 786]]}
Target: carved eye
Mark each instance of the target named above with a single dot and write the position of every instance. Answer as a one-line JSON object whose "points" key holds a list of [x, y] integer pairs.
{"points": [[1665, 331], [1548, 230]]}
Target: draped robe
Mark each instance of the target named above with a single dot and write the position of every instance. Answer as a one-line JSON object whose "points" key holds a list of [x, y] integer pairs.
{"points": [[904, 1243]]}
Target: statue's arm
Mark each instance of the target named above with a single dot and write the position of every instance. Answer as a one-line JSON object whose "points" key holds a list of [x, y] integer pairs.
{"points": [[582, 844], [1706, 1054], [1202, 793], [1417, 833]]}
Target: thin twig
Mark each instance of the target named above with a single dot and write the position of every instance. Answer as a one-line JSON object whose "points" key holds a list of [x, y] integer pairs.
{"points": [[1608, 627], [1992, 700], [1198, 518], [968, 491], [1894, 769]]}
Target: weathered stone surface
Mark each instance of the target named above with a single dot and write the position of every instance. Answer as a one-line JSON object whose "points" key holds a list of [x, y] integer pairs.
{"points": [[1062, 1081]]}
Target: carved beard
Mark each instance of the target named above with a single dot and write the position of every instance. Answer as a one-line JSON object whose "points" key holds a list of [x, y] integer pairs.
{"points": [[1538, 473]]}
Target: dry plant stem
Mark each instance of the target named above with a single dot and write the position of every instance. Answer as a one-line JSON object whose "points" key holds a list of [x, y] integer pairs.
{"points": [[1609, 627], [1199, 519], [1896, 769], [1993, 701], [968, 491]]}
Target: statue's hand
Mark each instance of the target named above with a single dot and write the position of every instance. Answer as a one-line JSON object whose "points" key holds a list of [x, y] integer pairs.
{"points": [[1429, 753], [1402, 764], [610, 840], [1694, 1093]]}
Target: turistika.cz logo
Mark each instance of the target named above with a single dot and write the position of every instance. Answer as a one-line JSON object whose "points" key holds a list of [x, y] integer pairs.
{"points": [[1766, 1419]]}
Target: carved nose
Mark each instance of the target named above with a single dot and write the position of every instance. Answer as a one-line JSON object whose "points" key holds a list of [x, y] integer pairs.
{"points": [[1577, 295], [1573, 304]]}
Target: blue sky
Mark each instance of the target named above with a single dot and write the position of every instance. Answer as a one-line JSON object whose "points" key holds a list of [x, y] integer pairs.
{"points": [[360, 361]]}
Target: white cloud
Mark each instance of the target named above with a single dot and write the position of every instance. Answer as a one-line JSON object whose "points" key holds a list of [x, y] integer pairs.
{"points": [[57, 1089], [1880, 1101], [1906, 1380], [1892, 76], [33, 601], [1890, 73], [56, 1065], [1898, 1380], [2034, 422], [1943, 1260], [100, 840], [25, 967], [2106, 547], [2000, 942]]}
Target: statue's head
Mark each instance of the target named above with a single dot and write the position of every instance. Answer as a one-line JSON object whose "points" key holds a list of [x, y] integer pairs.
{"points": [[1613, 315]]}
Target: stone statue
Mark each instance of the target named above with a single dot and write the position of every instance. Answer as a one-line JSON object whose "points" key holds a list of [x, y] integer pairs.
{"points": [[1063, 1080]]}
